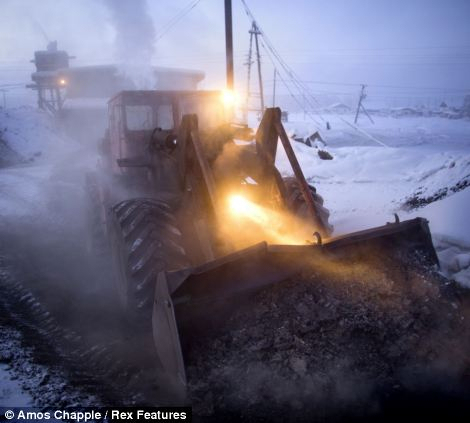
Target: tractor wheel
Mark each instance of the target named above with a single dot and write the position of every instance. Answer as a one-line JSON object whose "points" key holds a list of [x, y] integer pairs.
{"points": [[96, 241], [297, 204], [144, 241]]}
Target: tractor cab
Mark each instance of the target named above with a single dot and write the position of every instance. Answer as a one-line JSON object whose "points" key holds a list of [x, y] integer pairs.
{"points": [[139, 119]]}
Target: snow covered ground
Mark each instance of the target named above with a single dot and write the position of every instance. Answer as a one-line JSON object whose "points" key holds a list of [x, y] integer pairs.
{"points": [[10, 390], [365, 183], [426, 159], [48, 177]]}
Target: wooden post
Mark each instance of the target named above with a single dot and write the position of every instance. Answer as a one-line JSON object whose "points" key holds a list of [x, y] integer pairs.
{"points": [[248, 78], [258, 58], [229, 43], [304, 188]]}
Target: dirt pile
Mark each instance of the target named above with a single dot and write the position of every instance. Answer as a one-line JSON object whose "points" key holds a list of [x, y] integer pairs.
{"points": [[337, 341]]}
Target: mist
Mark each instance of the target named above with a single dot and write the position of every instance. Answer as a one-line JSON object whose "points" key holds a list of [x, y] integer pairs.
{"points": [[406, 52], [134, 40], [87, 238]]}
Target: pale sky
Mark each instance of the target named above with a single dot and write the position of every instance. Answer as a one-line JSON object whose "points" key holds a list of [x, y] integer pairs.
{"points": [[392, 45]]}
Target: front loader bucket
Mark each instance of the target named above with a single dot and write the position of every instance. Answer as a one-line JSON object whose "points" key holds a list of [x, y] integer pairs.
{"points": [[208, 292]]}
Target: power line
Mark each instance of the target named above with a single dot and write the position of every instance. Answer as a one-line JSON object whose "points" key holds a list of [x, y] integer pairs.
{"points": [[290, 72], [294, 97], [363, 63], [294, 78], [465, 46], [341, 56], [176, 18], [15, 70], [173, 21], [11, 85], [353, 84]]}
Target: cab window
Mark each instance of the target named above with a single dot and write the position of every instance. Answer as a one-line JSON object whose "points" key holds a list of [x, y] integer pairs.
{"points": [[164, 117], [139, 118]]}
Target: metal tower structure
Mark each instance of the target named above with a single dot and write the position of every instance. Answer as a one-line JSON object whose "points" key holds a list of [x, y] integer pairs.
{"points": [[254, 33], [49, 85]]}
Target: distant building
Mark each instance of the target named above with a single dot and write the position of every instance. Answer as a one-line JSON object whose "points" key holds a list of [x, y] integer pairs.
{"points": [[405, 111], [339, 108], [79, 95], [45, 79], [88, 88], [55, 81], [104, 81]]}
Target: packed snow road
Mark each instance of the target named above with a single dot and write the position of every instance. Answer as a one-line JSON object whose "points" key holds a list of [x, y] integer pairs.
{"points": [[63, 338], [44, 266]]}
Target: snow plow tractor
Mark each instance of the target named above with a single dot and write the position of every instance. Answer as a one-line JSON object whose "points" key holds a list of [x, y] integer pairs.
{"points": [[197, 215]]}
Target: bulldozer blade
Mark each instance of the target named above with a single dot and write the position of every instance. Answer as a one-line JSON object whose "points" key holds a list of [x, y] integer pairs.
{"points": [[210, 291]]}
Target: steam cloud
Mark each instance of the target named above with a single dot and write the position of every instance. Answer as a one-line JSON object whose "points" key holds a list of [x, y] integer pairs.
{"points": [[134, 40]]}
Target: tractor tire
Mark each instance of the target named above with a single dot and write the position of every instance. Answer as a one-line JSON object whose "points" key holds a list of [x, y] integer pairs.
{"points": [[144, 241], [297, 204], [96, 240]]}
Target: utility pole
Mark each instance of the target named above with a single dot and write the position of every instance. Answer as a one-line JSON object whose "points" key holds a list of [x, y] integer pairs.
{"points": [[362, 96], [248, 78], [229, 43], [257, 32], [360, 106], [254, 32]]}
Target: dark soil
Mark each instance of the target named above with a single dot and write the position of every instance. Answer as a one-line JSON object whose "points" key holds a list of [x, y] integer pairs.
{"points": [[417, 200], [342, 340], [348, 340]]}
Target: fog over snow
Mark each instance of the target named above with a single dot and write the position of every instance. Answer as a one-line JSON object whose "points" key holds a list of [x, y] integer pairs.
{"points": [[420, 44], [408, 53]]}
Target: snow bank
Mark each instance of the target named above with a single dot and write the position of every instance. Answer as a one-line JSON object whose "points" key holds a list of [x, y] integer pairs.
{"points": [[10, 390], [45, 185], [377, 180], [443, 134], [364, 185], [451, 232], [31, 133]]}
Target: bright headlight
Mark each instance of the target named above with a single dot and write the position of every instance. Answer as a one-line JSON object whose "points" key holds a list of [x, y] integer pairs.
{"points": [[228, 98], [239, 205]]}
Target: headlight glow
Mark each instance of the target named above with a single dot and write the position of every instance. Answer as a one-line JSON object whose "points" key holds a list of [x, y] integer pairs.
{"points": [[229, 98]]}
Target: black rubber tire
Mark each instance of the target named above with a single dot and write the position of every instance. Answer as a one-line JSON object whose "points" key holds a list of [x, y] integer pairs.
{"points": [[96, 241], [297, 204], [144, 241]]}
